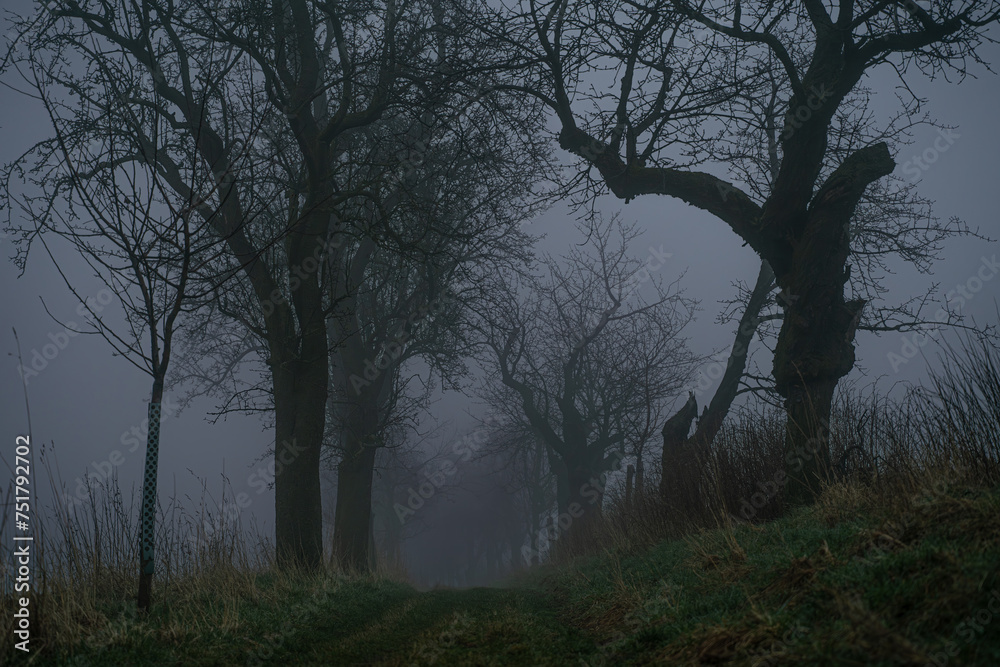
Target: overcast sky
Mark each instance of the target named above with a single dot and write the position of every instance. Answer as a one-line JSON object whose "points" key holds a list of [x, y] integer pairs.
{"points": [[86, 402]]}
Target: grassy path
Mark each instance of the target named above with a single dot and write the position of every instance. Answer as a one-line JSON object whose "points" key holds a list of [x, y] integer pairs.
{"points": [[481, 626], [907, 580], [340, 622]]}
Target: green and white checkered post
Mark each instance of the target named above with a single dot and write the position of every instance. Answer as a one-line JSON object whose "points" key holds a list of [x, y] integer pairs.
{"points": [[149, 489]]}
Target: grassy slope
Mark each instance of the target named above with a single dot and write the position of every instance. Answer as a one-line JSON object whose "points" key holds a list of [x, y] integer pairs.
{"points": [[840, 583], [851, 581]]}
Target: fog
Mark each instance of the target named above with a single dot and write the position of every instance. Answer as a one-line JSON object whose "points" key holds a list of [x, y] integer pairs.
{"points": [[468, 526]]}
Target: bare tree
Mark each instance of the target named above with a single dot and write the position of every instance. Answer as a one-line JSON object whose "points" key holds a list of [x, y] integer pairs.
{"points": [[433, 196], [531, 482], [317, 73], [685, 76], [587, 360], [147, 246], [427, 237]]}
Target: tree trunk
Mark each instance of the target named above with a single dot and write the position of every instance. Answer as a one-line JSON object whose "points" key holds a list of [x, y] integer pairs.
{"points": [[372, 553], [717, 409], [816, 344], [629, 473], [807, 438], [580, 509], [390, 528], [815, 349], [491, 559], [680, 470], [354, 487], [300, 416], [561, 472], [682, 456]]}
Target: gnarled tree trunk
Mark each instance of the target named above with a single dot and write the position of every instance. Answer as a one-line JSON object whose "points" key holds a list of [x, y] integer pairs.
{"points": [[683, 458], [681, 469]]}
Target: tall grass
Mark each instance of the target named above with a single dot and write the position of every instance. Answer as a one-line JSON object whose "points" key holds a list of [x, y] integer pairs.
{"points": [[947, 428], [959, 411], [85, 563]]}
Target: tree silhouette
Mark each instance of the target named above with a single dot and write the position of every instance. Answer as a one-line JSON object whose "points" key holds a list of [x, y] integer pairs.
{"points": [[681, 83]]}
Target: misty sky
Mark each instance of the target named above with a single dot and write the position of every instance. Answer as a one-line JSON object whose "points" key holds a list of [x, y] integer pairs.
{"points": [[86, 402]]}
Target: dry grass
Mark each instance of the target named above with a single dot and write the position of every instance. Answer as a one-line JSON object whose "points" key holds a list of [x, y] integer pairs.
{"points": [[86, 563], [918, 462], [944, 433]]}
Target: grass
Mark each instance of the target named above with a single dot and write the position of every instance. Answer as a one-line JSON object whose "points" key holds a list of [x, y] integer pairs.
{"points": [[328, 621], [849, 581], [857, 579], [898, 563]]}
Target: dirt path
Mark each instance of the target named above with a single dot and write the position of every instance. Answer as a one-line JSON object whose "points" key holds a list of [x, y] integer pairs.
{"points": [[479, 626]]}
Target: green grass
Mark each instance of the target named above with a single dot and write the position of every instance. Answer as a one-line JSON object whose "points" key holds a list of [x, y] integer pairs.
{"points": [[840, 584], [341, 622], [850, 581]]}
